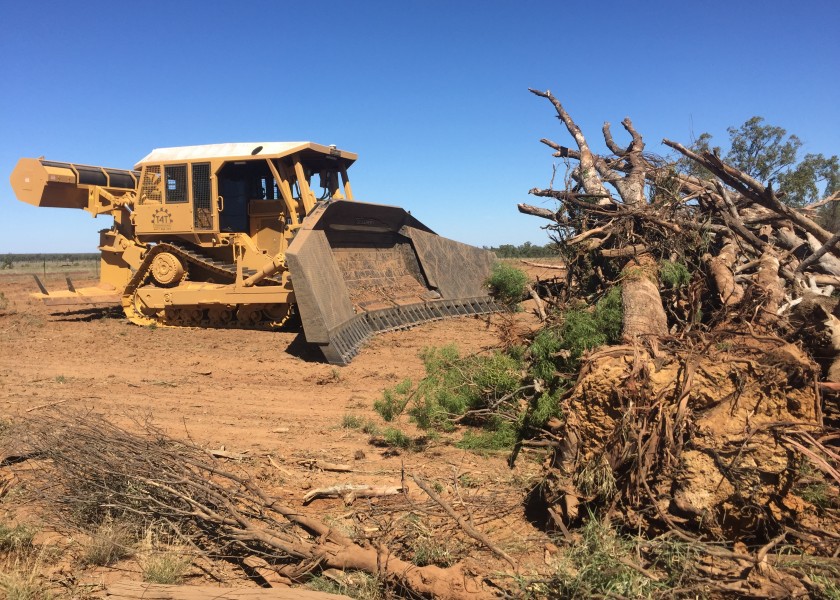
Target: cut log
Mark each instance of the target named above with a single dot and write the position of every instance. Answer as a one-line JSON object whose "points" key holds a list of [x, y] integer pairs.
{"points": [[133, 590], [634, 250]]}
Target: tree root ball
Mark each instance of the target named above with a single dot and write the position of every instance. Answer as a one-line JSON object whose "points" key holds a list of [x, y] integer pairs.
{"points": [[697, 433]]}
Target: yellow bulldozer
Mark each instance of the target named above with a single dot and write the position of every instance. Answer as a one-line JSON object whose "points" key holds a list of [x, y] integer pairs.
{"points": [[244, 234]]}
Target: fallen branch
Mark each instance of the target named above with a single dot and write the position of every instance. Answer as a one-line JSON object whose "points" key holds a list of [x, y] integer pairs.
{"points": [[222, 453], [47, 405], [468, 529], [542, 265], [322, 465], [536, 211], [538, 301], [349, 492]]}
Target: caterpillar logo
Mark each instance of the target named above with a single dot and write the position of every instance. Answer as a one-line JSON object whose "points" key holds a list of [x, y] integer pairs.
{"points": [[162, 220]]}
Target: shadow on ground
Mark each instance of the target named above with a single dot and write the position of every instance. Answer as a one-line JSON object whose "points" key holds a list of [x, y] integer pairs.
{"points": [[90, 314]]}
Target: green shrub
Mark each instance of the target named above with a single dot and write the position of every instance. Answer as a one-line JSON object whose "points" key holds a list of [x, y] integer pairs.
{"points": [[676, 557], [508, 283], [496, 435], [585, 328], [674, 274], [474, 390], [452, 386], [427, 549], [812, 487], [517, 353], [455, 385], [397, 438], [546, 344], [349, 421], [581, 332], [437, 359], [394, 400], [370, 428], [541, 409], [827, 588], [818, 493], [610, 314]]}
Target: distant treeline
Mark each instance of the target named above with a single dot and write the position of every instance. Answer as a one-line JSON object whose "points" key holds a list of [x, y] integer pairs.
{"points": [[526, 250], [64, 258]]}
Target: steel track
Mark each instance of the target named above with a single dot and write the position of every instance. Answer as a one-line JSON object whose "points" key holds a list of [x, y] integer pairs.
{"points": [[226, 271]]}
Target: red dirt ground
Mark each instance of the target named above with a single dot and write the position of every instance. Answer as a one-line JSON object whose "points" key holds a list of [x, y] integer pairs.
{"points": [[254, 392]]}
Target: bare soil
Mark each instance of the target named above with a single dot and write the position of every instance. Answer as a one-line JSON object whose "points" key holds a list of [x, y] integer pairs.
{"points": [[262, 394]]}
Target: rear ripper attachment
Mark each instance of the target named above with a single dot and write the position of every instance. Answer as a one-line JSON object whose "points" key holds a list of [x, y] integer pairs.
{"points": [[234, 235]]}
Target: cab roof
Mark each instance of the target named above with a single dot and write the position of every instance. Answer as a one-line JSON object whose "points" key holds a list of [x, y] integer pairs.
{"points": [[241, 151]]}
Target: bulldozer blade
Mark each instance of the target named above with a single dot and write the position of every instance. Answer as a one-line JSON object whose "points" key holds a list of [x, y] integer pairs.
{"points": [[359, 269]]}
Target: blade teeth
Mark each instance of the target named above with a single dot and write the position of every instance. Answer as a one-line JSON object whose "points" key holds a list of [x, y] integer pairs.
{"points": [[345, 343], [347, 339]]}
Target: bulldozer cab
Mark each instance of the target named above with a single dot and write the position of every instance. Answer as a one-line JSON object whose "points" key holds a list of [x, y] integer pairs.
{"points": [[254, 189]]}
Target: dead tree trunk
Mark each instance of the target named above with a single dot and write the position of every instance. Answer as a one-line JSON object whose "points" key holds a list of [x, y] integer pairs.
{"points": [[640, 299]]}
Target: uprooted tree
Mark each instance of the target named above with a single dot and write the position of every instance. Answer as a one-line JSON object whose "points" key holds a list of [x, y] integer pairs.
{"points": [[708, 420]]}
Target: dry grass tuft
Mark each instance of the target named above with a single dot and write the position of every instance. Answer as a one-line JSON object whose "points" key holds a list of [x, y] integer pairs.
{"points": [[109, 543], [20, 579]]}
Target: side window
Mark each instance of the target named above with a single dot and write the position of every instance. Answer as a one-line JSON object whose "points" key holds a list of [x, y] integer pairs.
{"points": [[202, 207], [176, 183], [150, 187]]}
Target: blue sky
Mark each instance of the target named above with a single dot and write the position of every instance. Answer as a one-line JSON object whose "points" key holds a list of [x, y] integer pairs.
{"points": [[432, 95]]}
